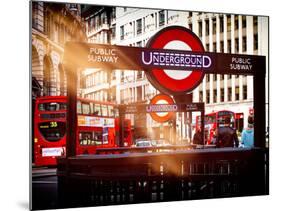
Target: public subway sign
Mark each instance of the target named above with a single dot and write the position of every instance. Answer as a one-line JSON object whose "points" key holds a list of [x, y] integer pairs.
{"points": [[174, 60], [160, 108], [110, 57]]}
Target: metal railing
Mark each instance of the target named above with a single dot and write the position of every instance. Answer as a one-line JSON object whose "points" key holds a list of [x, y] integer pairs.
{"points": [[95, 180]]}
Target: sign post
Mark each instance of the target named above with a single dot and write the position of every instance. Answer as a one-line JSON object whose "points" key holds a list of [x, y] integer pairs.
{"points": [[71, 123]]}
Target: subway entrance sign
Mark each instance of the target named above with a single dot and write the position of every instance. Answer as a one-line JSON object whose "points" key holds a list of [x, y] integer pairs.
{"points": [[155, 104], [163, 55], [175, 81]]}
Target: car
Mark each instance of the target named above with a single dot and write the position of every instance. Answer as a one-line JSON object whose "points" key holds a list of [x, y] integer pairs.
{"points": [[162, 142]]}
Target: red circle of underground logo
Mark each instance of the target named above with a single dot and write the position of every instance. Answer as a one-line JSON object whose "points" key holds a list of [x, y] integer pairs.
{"points": [[161, 116], [175, 82]]}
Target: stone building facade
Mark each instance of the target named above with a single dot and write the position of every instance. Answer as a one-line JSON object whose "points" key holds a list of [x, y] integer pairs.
{"points": [[53, 24]]}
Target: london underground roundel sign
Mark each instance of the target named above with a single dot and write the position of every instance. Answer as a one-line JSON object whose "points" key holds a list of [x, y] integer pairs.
{"points": [[175, 82], [161, 99]]}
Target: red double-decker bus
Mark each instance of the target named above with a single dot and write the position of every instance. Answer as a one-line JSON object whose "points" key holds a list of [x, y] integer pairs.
{"points": [[98, 127], [213, 121]]}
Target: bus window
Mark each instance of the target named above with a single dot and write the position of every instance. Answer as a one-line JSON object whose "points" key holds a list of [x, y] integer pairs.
{"points": [[92, 138], [210, 119], [52, 131], [79, 107], [105, 135], [85, 108], [116, 111], [53, 106], [97, 110], [97, 137], [86, 138], [111, 112], [104, 111]]}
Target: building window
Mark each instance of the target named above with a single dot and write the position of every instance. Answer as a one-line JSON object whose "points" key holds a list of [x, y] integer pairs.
{"points": [[228, 23], [236, 45], [244, 43], [190, 26], [244, 21], [103, 18], [201, 96], [214, 25], [244, 92], [207, 27], [207, 78], [222, 95], [161, 18], [229, 46], [47, 23], [215, 96], [215, 77], [122, 96], [122, 32], [139, 74], [236, 21], [139, 26], [229, 94], [214, 47], [228, 76], [139, 93], [221, 24], [35, 12], [256, 44], [208, 47], [237, 93], [208, 96], [200, 28], [113, 13], [113, 32], [221, 46], [122, 76], [255, 21], [113, 75], [61, 34]]}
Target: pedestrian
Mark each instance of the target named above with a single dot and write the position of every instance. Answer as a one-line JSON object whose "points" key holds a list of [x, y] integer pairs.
{"points": [[226, 135], [247, 139], [214, 138], [197, 138]]}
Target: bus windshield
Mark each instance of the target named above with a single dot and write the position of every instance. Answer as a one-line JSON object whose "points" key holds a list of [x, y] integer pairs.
{"points": [[52, 131], [222, 115], [209, 119]]}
